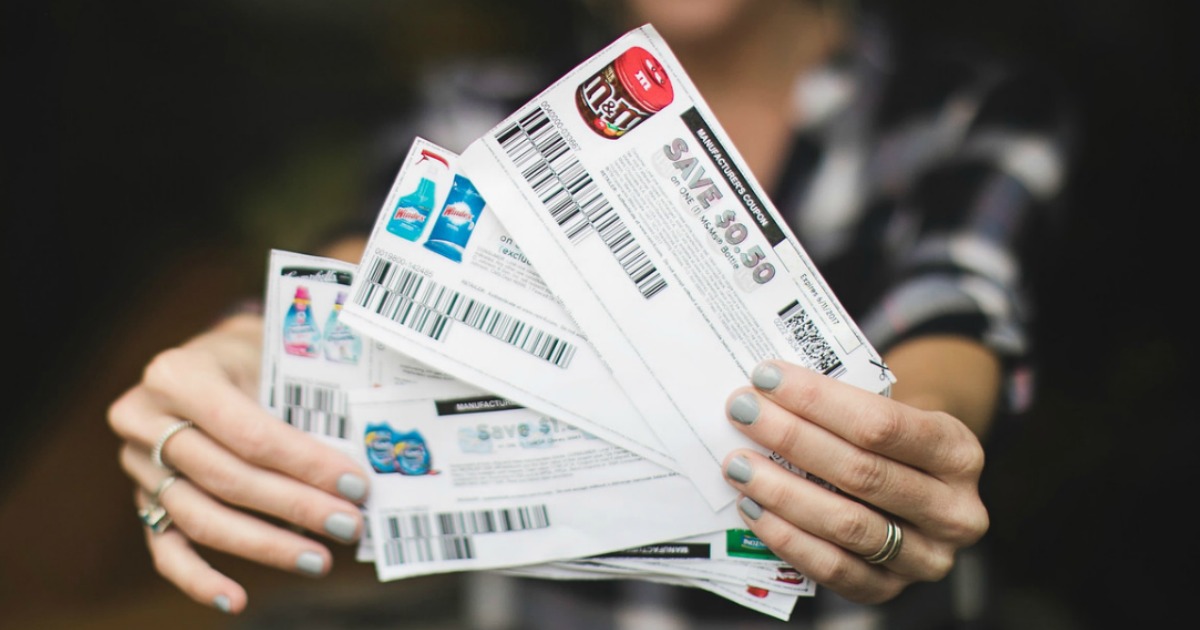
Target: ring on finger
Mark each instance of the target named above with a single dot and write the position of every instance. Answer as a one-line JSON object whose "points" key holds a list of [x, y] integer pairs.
{"points": [[154, 516], [162, 487], [156, 454], [891, 544]]}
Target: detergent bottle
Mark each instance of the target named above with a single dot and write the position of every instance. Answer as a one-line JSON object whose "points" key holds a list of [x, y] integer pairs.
{"points": [[412, 210], [301, 337], [341, 344]]}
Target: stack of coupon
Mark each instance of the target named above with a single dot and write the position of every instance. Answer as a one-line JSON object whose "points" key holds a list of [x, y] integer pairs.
{"points": [[533, 356]]}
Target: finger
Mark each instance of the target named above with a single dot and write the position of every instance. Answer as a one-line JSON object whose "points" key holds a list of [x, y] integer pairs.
{"points": [[827, 564], [215, 525], [833, 517], [932, 441], [176, 560], [183, 383], [860, 473], [224, 476]]}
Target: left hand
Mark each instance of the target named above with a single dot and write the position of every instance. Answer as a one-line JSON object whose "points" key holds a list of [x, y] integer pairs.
{"points": [[920, 467]]}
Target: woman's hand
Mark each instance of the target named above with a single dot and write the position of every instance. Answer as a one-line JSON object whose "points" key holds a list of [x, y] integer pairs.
{"points": [[888, 459], [246, 482]]}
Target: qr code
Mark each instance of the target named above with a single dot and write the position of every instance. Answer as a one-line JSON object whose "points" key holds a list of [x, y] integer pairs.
{"points": [[817, 354]]}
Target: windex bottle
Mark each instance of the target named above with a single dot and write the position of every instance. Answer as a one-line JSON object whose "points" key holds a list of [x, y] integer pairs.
{"points": [[413, 210], [457, 220]]}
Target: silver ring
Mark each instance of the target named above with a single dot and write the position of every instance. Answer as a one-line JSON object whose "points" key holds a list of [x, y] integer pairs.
{"points": [[161, 488], [156, 452], [891, 544], [155, 517]]}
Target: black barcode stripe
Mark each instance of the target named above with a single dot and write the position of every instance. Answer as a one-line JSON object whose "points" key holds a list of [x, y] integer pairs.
{"points": [[493, 521], [414, 538], [418, 303], [316, 409], [572, 198], [457, 548], [408, 551], [818, 354]]}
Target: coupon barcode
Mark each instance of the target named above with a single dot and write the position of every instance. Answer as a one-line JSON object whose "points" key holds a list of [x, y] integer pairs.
{"points": [[448, 536], [316, 409], [416, 302], [568, 192], [819, 354]]}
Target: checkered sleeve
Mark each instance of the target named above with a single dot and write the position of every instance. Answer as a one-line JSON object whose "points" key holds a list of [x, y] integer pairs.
{"points": [[961, 248]]}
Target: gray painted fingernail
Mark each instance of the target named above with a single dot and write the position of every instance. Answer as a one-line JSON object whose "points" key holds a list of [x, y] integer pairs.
{"points": [[341, 526], [766, 377], [312, 563], [744, 409], [222, 603], [739, 469], [352, 486], [750, 508]]}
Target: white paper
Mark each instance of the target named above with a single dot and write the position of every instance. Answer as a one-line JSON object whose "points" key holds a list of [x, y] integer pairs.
{"points": [[735, 555], [774, 603], [781, 579], [777, 602], [470, 481], [308, 386], [486, 318], [663, 247]]}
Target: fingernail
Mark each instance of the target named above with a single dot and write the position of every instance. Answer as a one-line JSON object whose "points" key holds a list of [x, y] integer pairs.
{"points": [[222, 603], [766, 377], [750, 508], [341, 526], [739, 469], [312, 563], [352, 486], [744, 409]]}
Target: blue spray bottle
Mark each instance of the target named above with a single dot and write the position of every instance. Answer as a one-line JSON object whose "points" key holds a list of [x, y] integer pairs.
{"points": [[454, 225], [413, 210]]}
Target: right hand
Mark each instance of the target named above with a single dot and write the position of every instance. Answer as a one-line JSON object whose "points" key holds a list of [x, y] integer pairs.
{"points": [[248, 483]]}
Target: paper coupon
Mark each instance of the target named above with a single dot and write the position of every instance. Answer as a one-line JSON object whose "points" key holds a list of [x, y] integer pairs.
{"points": [[643, 219], [468, 480], [442, 281], [311, 358], [776, 602]]}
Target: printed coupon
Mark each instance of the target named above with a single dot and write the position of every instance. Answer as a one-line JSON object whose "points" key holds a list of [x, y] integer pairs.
{"points": [[640, 215], [442, 281]]}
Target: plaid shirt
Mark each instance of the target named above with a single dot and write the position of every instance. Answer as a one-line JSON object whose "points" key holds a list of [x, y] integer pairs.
{"points": [[918, 187], [915, 187]]}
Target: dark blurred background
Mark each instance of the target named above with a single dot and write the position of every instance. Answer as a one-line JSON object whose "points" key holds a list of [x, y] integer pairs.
{"points": [[155, 151]]}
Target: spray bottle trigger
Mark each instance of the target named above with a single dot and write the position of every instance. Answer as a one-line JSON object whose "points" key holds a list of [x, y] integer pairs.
{"points": [[427, 154]]}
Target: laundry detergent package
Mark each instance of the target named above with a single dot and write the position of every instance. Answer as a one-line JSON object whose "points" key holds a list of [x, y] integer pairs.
{"points": [[301, 337]]}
